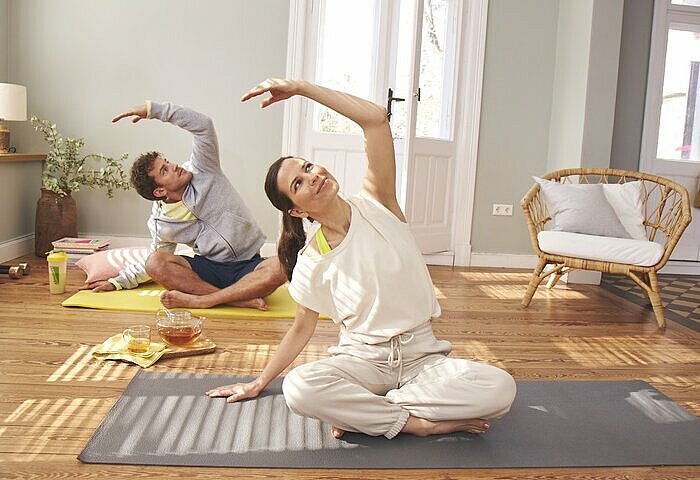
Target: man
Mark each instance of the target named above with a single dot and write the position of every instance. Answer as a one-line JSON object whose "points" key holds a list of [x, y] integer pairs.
{"points": [[195, 204]]}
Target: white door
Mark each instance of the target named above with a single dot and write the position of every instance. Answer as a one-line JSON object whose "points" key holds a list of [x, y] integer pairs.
{"points": [[366, 47], [426, 74], [671, 137]]}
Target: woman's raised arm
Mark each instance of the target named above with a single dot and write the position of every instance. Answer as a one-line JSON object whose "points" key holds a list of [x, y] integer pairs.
{"points": [[380, 180]]}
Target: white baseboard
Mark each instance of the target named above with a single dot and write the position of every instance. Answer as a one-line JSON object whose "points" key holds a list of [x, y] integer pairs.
{"points": [[24, 245], [502, 260], [440, 258], [680, 267], [16, 247]]}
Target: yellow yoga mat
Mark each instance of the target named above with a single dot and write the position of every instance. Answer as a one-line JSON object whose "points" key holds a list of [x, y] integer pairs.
{"points": [[146, 298]]}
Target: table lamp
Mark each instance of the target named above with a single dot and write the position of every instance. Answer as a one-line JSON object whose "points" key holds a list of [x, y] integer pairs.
{"points": [[13, 107]]}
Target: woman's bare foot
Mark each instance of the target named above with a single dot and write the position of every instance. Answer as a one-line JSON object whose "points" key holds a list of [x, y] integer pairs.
{"points": [[177, 299], [337, 432], [423, 427]]}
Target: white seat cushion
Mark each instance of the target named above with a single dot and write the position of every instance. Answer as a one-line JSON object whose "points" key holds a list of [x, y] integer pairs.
{"points": [[607, 249]]}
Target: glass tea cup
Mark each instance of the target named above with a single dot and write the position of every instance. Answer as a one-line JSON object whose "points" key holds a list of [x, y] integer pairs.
{"points": [[178, 328], [137, 338]]}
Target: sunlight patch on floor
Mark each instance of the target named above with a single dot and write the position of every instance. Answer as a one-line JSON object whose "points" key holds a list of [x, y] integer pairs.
{"points": [[476, 351], [311, 353], [691, 381], [47, 420], [81, 366], [496, 277], [624, 351]]}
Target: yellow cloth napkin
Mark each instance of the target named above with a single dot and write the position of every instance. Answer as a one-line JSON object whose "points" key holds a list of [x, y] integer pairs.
{"points": [[114, 348]]}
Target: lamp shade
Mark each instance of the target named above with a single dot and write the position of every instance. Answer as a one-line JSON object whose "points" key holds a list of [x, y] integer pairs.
{"points": [[13, 102]]}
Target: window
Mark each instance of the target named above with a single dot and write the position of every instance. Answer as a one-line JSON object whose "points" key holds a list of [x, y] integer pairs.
{"points": [[347, 39], [679, 116], [679, 125], [434, 119]]}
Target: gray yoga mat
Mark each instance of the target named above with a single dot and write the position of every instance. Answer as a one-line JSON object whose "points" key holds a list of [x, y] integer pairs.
{"points": [[165, 419]]}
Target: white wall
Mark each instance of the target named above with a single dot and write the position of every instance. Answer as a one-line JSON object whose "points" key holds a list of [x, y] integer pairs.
{"points": [[606, 30], [570, 83], [83, 61], [585, 83]]}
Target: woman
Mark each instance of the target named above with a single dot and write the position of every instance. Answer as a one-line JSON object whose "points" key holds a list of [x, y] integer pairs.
{"points": [[362, 267]]}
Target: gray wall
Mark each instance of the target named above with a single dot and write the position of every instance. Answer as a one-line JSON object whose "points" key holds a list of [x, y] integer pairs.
{"points": [[20, 181], [83, 61], [550, 82], [515, 117], [632, 84], [4, 40]]}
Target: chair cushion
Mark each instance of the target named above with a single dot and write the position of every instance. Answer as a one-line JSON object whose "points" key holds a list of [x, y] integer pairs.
{"points": [[607, 249], [581, 208]]}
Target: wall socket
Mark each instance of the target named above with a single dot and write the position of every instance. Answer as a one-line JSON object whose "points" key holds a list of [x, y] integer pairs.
{"points": [[502, 209]]}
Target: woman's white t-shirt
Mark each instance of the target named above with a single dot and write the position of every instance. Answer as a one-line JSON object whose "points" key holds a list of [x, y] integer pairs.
{"points": [[374, 283]]}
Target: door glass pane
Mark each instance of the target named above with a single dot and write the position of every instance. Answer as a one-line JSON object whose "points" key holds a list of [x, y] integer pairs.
{"points": [[401, 84], [679, 125], [694, 3], [347, 55], [437, 63]]}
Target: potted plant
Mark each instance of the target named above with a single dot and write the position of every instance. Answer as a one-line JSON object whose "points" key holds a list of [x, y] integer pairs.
{"points": [[65, 171]]}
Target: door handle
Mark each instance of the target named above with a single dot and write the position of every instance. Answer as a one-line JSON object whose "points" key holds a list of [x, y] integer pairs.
{"points": [[390, 99]]}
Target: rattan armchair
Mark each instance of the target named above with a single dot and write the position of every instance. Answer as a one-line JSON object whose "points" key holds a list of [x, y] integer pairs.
{"points": [[666, 209]]}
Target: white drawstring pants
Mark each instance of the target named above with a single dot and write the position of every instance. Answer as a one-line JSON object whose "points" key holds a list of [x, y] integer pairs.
{"points": [[374, 388]]}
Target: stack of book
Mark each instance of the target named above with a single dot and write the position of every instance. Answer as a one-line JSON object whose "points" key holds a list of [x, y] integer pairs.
{"points": [[77, 248]]}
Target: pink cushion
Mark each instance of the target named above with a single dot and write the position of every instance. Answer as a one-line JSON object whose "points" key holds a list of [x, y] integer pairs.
{"points": [[108, 263]]}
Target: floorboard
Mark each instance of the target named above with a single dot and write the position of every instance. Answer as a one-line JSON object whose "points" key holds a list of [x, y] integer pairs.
{"points": [[53, 394]]}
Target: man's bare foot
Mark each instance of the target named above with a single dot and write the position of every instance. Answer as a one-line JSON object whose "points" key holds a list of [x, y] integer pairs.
{"points": [[177, 299], [258, 303], [423, 427], [337, 432]]}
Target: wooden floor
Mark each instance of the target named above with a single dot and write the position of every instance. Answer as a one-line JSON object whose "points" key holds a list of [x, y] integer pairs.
{"points": [[53, 394]]}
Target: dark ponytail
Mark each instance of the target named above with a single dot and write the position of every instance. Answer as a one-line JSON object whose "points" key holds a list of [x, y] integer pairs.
{"points": [[293, 236], [292, 239]]}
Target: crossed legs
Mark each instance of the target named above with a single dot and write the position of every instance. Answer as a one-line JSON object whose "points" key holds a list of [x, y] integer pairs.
{"points": [[186, 289], [447, 395]]}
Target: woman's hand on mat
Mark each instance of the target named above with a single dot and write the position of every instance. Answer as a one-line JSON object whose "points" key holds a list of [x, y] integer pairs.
{"points": [[279, 89], [236, 391], [98, 286], [138, 113]]}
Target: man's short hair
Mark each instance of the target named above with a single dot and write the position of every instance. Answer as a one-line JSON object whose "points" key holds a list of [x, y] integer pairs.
{"points": [[140, 178]]}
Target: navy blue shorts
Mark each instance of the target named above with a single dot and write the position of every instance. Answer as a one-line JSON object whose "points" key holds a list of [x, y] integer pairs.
{"points": [[222, 274]]}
